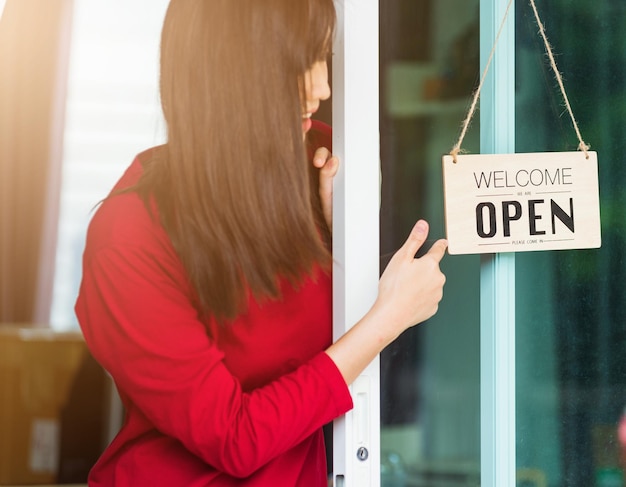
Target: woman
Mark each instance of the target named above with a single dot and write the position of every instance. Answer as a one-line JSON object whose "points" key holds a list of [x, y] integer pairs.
{"points": [[206, 291]]}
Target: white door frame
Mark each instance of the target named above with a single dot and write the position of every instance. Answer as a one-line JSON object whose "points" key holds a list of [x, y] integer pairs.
{"points": [[356, 141]]}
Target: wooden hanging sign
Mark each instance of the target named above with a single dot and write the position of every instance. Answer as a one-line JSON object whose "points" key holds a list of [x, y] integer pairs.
{"points": [[521, 202]]}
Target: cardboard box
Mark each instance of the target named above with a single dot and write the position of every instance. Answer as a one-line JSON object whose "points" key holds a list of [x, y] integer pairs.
{"points": [[37, 370]]}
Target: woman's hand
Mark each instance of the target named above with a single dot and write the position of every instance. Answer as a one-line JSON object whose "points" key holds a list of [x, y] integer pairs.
{"points": [[328, 166], [410, 289], [409, 292]]}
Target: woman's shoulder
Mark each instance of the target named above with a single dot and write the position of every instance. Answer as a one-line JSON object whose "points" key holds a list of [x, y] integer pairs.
{"points": [[123, 217]]}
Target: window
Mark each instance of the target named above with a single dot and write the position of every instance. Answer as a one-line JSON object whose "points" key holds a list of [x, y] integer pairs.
{"points": [[113, 113], [430, 377], [570, 314], [550, 329]]}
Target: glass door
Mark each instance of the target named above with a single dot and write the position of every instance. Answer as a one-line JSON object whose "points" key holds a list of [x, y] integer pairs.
{"points": [[430, 377], [520, 379], [571, 312]]}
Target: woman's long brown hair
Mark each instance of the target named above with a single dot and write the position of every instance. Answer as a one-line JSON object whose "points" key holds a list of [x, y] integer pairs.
{"points": [[232, 182]]}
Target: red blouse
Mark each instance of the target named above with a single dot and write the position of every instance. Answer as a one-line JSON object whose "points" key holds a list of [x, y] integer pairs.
{"points": [[239, 405]]}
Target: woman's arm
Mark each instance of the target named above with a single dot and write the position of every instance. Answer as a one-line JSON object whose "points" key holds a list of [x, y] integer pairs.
{"points": [[140, 325]]}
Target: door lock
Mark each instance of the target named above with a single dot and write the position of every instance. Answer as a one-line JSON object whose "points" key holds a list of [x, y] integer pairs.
{"points": [[362, 453]]}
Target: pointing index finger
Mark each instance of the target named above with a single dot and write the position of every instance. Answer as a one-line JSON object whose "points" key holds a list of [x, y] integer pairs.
{"points": [[438, 249]]}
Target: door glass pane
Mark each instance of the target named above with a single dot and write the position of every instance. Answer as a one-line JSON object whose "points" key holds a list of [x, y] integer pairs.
{"points": [[571, 305], [430, 391]]}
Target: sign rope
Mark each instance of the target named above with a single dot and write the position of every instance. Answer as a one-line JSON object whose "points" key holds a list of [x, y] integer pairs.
{"points": [[582, 146], [470, 115]]}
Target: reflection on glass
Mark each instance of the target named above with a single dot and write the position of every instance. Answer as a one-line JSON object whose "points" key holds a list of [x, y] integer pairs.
{"points": [[430, 411], [571, 306]]}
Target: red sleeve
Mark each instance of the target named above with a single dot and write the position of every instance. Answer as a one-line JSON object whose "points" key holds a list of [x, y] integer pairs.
{"points": [[138, 322], [320, 135]]}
